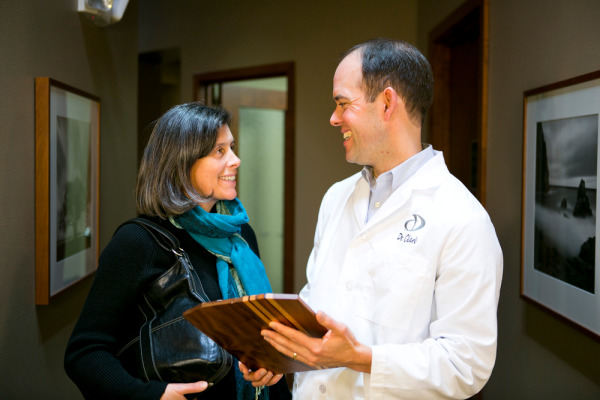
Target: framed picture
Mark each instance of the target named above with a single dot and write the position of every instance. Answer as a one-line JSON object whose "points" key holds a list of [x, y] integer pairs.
{"points": [[559, 250], [67, 146]]}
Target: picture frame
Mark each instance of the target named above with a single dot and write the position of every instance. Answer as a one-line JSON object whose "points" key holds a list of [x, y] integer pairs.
{"points": [[67, 186], [559, 250]]}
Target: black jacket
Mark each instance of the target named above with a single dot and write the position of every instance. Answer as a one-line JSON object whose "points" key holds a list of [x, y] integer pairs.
{"points": [[110, 317]]}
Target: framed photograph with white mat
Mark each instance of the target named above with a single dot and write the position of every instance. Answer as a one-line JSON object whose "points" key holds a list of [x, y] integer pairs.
{"points": [[67, 169], [559, 249]]}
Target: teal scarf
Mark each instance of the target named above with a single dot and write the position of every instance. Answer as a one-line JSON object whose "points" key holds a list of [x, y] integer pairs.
{"points": [[240, 272], [219, 233]]}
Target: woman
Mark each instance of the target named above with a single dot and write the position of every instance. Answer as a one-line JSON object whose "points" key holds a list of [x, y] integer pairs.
{"points": [[186, 182]]}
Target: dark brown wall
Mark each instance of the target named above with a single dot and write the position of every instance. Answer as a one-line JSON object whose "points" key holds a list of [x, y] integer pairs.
{"points": [[532, 43], [231, 34], [49, 38]]}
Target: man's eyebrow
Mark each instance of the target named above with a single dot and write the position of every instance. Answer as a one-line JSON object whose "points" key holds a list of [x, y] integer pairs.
{"points": [[340, 97]]}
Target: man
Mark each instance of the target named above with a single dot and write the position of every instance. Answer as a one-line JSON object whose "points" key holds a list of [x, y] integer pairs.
{"points": [[406, 266]]}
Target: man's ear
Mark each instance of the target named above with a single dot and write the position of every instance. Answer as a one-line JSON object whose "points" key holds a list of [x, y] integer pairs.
{"points": [[390, 102]]}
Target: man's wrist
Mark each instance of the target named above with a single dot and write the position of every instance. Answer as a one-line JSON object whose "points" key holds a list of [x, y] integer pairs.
{"points": [[362, 360]]}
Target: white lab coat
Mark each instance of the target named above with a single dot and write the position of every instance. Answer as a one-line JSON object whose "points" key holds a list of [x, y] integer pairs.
{"points": [[419, 283]]}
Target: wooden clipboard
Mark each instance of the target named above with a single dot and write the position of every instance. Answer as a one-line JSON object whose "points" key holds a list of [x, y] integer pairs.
{"points": [[235, 325]]}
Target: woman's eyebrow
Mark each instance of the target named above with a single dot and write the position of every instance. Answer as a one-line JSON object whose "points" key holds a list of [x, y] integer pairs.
{"points": [[224, 143]]}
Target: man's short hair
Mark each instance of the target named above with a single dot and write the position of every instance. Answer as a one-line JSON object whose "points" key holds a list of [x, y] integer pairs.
{"points": [[401, 66], [181, 136]]}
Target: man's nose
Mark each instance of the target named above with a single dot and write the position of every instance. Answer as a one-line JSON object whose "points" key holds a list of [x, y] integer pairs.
{"points": [[335, 120]]}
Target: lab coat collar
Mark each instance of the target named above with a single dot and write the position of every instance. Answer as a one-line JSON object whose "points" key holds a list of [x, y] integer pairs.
{"points": [[430, 175]]}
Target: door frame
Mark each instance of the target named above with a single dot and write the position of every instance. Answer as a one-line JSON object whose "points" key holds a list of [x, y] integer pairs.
{"points": [[287, 69], [440, 53]]}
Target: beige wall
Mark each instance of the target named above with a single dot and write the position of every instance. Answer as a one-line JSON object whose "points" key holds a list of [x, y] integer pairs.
{"points": [[234, 34], [532, 43], [48, 38]]}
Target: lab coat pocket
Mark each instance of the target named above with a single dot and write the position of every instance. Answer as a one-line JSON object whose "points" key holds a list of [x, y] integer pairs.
{"points": [[399, 286]]}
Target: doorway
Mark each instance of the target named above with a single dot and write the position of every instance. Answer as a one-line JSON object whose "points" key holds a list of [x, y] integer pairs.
{"points": [[260, 101], [159, 80], [458, 119]]}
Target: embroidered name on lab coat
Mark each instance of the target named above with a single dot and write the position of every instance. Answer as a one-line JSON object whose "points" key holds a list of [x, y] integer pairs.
{"points": [[406, 238]]}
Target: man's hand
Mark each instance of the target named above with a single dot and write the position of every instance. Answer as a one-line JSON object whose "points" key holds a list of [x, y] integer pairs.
{"points": [[260, 377], [176, 391], [337, 348]]}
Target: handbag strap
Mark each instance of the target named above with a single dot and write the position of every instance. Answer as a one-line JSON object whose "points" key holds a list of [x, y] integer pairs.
{"points": [[159, 234]]}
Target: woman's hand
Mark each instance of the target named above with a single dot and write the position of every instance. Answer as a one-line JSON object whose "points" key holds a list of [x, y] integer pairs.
{"points": [[260, 377], [176, 391]]}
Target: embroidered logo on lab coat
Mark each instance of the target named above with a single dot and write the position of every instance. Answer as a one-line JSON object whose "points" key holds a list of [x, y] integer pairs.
{"points": [[414, 224]]}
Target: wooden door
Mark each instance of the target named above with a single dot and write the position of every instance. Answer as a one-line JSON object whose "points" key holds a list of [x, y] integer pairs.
{"points": [[220, 88], [458, 117]]}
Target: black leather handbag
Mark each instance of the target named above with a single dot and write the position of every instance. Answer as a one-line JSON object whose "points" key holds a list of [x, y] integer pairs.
{"points": [[169, 348]]}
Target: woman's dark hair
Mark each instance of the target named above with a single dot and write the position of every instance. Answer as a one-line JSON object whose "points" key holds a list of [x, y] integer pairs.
{"points": [[181, 136], [399, 65]]}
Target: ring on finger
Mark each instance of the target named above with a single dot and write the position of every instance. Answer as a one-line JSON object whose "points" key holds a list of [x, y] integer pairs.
{"points": [[295, 355]]}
